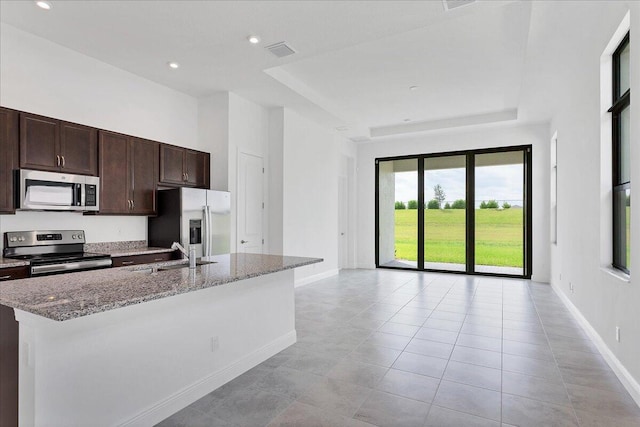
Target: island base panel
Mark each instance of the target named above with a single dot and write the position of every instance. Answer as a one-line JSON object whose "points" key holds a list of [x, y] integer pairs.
{"points": [[139, 364]]}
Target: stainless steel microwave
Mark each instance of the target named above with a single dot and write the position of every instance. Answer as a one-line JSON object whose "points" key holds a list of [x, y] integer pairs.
{"points": [[52, 191]]}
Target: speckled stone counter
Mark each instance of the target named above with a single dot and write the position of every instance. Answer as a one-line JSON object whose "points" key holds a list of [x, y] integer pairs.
{"points": [[126, 248], [9, 262], [68, 296]]}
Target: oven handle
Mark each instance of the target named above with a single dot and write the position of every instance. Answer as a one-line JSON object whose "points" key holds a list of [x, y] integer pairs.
{"points": [[38, 270]]}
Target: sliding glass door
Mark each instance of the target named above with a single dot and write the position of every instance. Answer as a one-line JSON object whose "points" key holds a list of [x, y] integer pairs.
{"points": [[466, 212], [398, 213], [444, 216], [499, 213]]}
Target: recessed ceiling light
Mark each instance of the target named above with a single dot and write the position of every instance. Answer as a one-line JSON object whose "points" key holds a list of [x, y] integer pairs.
{"points": [[44, 5], [406, 120], [253, 39], [173, 65], [413, 87]]}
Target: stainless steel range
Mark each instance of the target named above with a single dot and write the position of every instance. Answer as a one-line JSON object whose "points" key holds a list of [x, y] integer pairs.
{"points": [[52, 251]]}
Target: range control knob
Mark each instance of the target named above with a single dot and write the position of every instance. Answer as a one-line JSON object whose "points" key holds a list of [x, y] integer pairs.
{"points": [[13, 239], [21, 238], [74, 237]]}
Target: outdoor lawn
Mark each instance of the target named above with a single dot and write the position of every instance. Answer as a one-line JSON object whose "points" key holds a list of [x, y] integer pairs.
{"points": [[499, 240]]}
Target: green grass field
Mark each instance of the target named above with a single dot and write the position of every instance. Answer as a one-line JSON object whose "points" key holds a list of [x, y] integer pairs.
{"points": [[499, 240]]}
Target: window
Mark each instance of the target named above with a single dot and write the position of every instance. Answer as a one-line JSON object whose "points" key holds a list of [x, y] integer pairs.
{"points": [[621, 165]]}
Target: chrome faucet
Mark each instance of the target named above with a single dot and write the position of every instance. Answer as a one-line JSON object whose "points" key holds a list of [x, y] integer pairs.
{"points": [[178, 246], [191, 256]]}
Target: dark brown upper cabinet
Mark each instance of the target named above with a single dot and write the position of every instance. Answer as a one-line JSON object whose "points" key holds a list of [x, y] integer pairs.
{"points": [[57, 146], [9, 158], [180, 167], [128, 174]]}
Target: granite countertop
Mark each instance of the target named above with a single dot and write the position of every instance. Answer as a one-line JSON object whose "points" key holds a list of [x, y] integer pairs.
{"points": [[68, 296], [10, 262]]}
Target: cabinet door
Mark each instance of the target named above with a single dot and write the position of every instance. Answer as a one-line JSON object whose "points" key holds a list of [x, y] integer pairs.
{"points": [[144, 165], [197, 168], [39, 142], [9, 158], [115, 173], [171, 165], [78, 149]]}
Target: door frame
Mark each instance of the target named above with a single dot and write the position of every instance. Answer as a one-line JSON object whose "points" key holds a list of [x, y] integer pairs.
{"points": [[527, 228]]}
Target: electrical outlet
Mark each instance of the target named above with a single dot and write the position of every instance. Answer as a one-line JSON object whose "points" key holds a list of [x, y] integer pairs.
{"points": [[215, 344], [618, 333], [571, 287]]}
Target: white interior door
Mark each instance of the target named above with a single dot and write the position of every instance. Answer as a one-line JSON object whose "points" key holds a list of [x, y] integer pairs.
{"points": [[250, 203], [343, 222]]}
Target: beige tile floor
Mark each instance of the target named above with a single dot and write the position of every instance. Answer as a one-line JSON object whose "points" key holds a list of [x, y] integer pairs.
{"points": [[394, 348]]}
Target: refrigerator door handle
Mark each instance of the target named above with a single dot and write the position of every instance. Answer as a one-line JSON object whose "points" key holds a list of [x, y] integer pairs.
{"points": [[209, 230], [205, 230]]}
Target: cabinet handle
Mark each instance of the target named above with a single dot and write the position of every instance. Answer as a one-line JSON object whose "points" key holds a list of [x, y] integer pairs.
{"points": [[127, 262], [133, 204], [5, 277], [62, 157], [129, 203], [58, 160], [158, 259], [187, 176]]}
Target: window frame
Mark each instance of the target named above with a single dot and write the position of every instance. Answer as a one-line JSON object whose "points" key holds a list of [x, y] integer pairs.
{"points": [[620, 102]]}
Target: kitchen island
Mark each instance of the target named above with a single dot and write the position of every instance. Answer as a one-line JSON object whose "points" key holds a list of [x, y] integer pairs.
{"points": [[132, 345]]}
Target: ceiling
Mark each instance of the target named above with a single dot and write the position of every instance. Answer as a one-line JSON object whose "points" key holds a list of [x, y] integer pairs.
{"points": [[354, 64]]}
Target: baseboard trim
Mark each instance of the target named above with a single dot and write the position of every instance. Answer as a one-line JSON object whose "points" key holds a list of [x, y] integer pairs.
{"points": [[627, 380], [310, 279], [183, 398]]}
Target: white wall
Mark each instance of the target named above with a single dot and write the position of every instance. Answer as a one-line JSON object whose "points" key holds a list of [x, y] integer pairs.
{"points": [[213, 136], [275, 176], [584, 202], [45, 78], [311, 168], [535, 135]]}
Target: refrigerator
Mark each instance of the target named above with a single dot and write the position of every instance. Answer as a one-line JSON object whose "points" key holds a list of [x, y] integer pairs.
{"points": [[193, 217]]}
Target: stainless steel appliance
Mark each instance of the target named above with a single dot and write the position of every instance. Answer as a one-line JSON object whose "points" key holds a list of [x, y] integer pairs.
{"points": [[52, 251], [195, 218], [52, 191]]}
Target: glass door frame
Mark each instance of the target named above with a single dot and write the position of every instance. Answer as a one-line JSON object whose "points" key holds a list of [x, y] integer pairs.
{"points": [[527, 229]]}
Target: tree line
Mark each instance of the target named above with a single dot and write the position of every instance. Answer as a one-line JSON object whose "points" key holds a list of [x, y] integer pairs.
{"points": [[439, 197]]}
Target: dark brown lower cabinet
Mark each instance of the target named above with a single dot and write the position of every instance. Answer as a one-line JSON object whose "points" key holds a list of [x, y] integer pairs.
{"points": [[123, 261], [9, 354], [8, 368]]}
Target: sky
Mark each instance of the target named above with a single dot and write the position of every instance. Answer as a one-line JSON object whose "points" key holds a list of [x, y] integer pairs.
{"points": [[501, 183]]}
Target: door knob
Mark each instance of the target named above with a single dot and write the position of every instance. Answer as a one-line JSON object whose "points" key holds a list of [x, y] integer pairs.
{"points": [[244, 241]]}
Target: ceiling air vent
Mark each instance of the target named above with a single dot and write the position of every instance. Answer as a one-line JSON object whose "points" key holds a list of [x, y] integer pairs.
{"points": [[280, 49], [453, 4]]}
